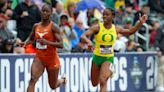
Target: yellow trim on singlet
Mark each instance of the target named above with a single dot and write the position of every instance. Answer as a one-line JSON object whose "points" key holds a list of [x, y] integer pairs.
{"points": [[104, 41]]}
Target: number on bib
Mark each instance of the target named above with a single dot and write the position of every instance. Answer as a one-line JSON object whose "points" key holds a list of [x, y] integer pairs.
{"points": [[40, 46], [105, 49]]}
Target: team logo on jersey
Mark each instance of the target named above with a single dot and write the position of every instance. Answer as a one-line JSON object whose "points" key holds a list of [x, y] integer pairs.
{"points": [[107, 37], [41, 34]]}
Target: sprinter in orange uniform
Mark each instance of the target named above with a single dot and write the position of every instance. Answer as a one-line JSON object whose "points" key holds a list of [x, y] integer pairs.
{"points": [[48, 39]]}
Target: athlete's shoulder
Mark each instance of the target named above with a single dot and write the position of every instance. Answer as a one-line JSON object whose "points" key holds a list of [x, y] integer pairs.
{"points": [[36, 24], [95, 28], [113, 24], [55, 27], [100, 23]]}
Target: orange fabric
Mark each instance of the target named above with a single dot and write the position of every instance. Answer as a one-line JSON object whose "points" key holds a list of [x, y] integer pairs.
{"points": [[29, 48], [3, 16], [48, 56]]}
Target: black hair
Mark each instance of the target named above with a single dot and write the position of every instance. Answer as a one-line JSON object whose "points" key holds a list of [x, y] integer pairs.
{"points": [[54, 3], [145, 5], [112, 10], [48, 6], [5, 43], [64, 16]]}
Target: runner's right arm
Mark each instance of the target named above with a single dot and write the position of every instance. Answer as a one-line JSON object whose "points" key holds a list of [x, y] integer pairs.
{"points": [[93, 30], [30, 38]]}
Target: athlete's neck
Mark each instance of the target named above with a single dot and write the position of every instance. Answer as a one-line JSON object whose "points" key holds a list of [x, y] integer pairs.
{"points": [[45, 22], [107, 25]]}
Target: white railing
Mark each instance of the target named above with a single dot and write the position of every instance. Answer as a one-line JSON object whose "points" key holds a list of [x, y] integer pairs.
{"points": [[144, 36]]}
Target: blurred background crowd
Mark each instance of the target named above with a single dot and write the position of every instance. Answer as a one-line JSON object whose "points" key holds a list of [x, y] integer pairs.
{"points": [[75, 16]]}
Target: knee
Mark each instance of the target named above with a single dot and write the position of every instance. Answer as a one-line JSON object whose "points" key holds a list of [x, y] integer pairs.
{"points": [[33, 79], [103, 80], [110, 74], [53, 87], [94, 84]]}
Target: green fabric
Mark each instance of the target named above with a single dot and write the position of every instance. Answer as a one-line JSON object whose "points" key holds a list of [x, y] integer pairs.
{"points": [[109, 3], [14, 3], [98, 60], [48, 1]]}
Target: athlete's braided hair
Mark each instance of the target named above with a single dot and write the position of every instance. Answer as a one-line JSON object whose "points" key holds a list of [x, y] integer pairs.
{"points": [[48, 6], [113, 13], [112, 10]]}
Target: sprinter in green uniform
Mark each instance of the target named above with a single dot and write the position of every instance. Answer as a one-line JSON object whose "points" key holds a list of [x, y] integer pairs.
{"points": [[105, 34]]}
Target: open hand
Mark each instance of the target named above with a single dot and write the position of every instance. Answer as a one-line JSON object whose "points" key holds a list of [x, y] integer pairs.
{"points": [[24, 13], [143, 18]]}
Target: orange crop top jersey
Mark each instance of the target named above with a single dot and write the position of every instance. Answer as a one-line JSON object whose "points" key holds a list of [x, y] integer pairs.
{"points": [[46, 53]]}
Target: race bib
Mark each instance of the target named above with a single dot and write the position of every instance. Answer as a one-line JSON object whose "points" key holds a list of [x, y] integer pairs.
{"points": [[40, 46], [105, 49]]}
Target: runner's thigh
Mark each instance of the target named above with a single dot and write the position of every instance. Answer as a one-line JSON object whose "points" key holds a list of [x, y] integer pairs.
{"points": [[37, 69], [95, 73]]}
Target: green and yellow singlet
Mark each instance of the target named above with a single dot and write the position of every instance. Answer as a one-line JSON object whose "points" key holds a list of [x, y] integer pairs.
{"points": [[104, 41]]}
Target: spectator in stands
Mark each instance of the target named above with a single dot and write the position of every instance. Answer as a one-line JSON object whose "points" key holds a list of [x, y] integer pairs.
{"points": [[119, 3], [67, 33], [90, 15], [120, 44], [7, 37], [131, 46], [18, 49], [79, 30], [8, 46], [26, 15], [156, 5], [39, 3], [11, 23], [3, 6], [87, 15], [129, 12], [139, 48], [109, 3], [120, 13], [71, 22], [128, 22], [145, 9], [57, 11], [71, 7], [159, 43], [9, 3], [153, 33], [4, 32], [146, 27]]}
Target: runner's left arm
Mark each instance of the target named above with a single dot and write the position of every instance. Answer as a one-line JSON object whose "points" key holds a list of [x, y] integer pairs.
{"points": [[58, 37], [134, 28]]}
